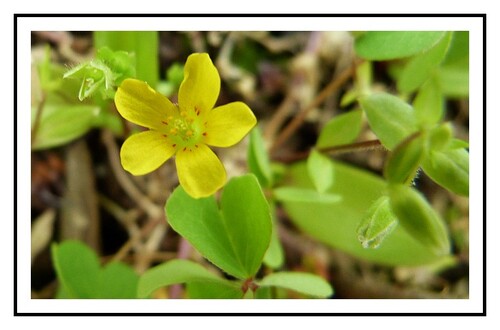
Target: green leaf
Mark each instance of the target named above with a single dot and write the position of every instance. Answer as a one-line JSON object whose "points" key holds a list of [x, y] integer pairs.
{"points": [[77, 268], [258, 159], [274, 257], [390, 118], [453, 75], [305, 283], [428, 103], [62, 123], [450, 169], [388, 45], [213, 290], [378, 224], [419, 68], [234, 238], [404, 161], [248, 219], [335, 224], [458, 144], [177, 271], [302, 195], [418, 218], [117, 281], [458, 54], [320, 170], [340, 130]]}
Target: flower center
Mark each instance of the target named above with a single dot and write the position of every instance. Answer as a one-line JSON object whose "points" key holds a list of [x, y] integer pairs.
{"points": [[184, 130]]}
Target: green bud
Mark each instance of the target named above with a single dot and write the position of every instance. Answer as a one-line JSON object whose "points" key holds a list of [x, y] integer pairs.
{"points": [[378, 223], [418, 218]]}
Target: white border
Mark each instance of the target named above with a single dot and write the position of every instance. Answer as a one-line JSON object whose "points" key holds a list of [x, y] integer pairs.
{"points": [[472, 305]]}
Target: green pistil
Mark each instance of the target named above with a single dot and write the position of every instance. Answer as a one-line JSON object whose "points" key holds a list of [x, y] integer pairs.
{"points": [[183, 130]]}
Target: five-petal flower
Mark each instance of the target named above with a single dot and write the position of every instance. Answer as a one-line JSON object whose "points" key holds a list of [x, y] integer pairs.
{"points": [[184, 130]]}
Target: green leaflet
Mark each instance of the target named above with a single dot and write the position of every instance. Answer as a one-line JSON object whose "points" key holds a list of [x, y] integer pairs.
{"points": [[305, 283], [61, 122], [342, 129], [234, 237], [78, 270], [450, 169], [390, 118], [181, 271], [258, 160], [429, 103], [320, 170], [419, 68], [388, 45]]}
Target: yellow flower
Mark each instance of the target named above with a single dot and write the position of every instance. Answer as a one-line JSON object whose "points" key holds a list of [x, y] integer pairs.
{"points": [[184, 130]]}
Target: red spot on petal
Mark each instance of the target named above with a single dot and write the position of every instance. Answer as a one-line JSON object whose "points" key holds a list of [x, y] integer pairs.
{"points": [[164, 122], [184, 149], [174, 145], [204, 134]]}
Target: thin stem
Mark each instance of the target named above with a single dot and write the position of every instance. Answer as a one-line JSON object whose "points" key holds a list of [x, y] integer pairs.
{"points": [[352, 147], [301, 116], [336, 150]]}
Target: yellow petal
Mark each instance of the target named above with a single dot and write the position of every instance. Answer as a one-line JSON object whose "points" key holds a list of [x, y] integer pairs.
{"points": [[228, 124], [142, 105], [144, 152], [201, 85], [200, 171]]}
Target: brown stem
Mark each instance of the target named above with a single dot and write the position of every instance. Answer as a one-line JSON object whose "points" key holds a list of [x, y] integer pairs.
{"points": [[301, 116], [336, 150]]}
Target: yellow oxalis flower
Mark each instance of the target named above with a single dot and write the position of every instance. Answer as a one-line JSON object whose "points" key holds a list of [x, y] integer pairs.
{"points": [[184, 130]]}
